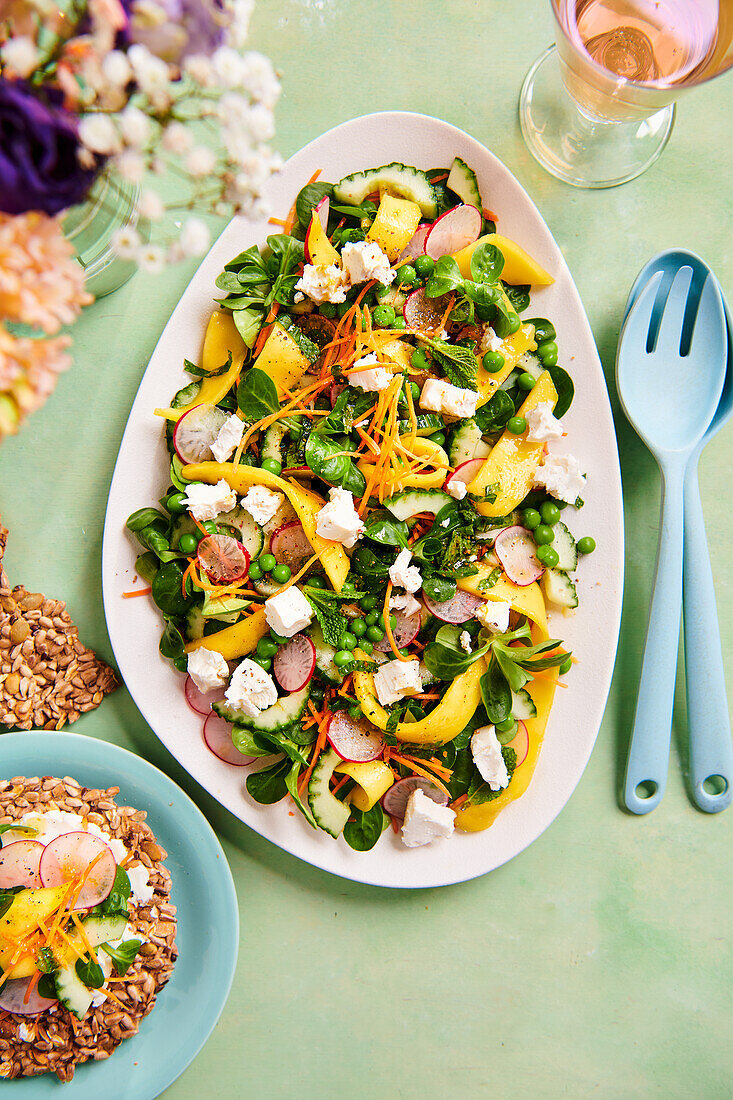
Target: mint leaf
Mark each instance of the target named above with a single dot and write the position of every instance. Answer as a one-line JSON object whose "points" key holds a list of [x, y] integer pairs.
{"points": [[457, 363]]}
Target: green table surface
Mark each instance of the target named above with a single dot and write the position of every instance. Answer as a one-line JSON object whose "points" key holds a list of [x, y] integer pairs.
{"points": [[598, 961]]}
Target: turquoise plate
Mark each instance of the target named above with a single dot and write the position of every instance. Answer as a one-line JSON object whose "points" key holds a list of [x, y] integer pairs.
{"points": [[189, 1006]]}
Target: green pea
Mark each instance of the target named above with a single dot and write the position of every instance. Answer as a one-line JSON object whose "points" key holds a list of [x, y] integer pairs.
{"points": [[267, 647], [406, 275], [544, 330], [543, 534], [550, 512], [547, 351], [280, 639], [526, 381], [424, 266], [381, 292], [586, 545], [176, 502], [493, 361], [355, 712], [516, 425], [281, 573], [548, 555], [187, 544], [255, 571], [439, 438], [272, 466], [565, 667], [342, 657], [507, 725], [531, 518], [374, 634], [343, 307], [317, 582], [210, 527], [367, 646], [328, 309], [513, 323], [415, 391], [267, 562], [368, 603], [419, 359], [348, 641], [263, 662], [372, 617], [541, 553], [392, 621], [358, 628], [384, 316], [399, 322]]}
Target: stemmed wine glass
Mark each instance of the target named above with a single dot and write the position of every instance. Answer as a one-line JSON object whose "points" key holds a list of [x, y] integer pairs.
{"points": [[597, 109]]}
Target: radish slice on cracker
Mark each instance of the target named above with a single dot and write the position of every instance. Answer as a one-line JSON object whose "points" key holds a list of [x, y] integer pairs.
{"points": [[15, 997], [70, 856], [19, 862]]}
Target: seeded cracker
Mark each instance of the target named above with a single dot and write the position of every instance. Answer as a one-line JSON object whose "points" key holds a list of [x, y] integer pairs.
{"points": [[47, 676]]}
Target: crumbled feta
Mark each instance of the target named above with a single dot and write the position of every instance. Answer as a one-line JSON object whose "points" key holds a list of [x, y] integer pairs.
{"points": [[425, 820], [403, 574], [339, 520], [208, 501], [251, 689], [441, 397], [207, 669], [364, 260], [288, 612], [323, 284], [445, 523], [141, 891], [465, 640], [487, 756], [495, 615], [397, 679], [373, 379], [542, 424], [404, 601], [561, 476], [228, 439], [261, 503], [457, 489], [490, 341]]}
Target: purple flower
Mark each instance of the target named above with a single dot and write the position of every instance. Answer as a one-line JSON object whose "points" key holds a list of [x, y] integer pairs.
{"points": [[39, 169]]}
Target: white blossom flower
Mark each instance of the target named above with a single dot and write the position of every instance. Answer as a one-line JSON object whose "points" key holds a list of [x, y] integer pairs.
{"points": [[260, 122], [151, 73], [200, 161], [200, 69], [151, 206], [116, 69], [176, 138], [126, 242], [131, 165], [134, 126], [240, 12], [259, 78], [151, 258], [20, 55], [229, 66], [99, 134], [195, 237]]}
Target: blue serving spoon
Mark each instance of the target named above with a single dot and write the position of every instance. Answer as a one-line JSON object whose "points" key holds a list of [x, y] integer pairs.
{"points": [[670, 371], [711, 748]]}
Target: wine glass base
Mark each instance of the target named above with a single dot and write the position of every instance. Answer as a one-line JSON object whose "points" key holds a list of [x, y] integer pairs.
{"points": [[577, 148]]}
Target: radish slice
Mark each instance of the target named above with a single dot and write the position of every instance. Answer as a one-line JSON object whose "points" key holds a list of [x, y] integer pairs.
{"points": [[423, 314], [520, 743], [457, 229], [200, 701], [404, 632], [218, 739], [466, 472], [19, 864], [458, 609], [295, 663], [323, 209], [196, 431], [223, 558], [333, 393], [516, 550], [416, 245], [354, 741], [68, 857], [290, 546], [395, 799], [13, 998]]}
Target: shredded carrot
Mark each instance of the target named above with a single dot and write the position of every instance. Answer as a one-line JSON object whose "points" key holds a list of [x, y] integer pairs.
{"points": [[137, 592], [458, 801], [490, 215], [439, 179], [388, 627], [276, 221], [31, 986], [117, 1001], [317, 748], [340, 784], [414, 766], [265, 330], [84, 938]]}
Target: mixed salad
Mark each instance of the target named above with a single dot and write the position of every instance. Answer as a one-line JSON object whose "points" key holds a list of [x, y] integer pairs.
{"points": [[364, 526]]}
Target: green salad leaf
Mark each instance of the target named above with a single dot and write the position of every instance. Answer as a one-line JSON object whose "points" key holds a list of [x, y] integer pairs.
{"points": [[122, 956], [257, 395]]}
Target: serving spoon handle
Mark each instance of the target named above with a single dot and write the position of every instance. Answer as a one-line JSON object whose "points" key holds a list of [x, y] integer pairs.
{"points": [[711, 750], [648, 759]]}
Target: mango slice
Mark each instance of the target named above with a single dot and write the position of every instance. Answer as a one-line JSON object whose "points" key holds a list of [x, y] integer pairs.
{"points": [[512, 349], [373, 777], [519, 267], [282, 359], [319, 250], [236, 640], [221, 338], [394, 225]]}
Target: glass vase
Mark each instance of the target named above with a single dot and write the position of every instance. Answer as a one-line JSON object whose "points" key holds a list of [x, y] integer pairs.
{"points": [[110, 205]]}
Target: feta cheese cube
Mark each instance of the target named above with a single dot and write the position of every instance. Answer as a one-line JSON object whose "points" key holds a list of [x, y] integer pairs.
{"points": [[228, 439], [404, 601], [261, 503], [441, 397], [288, 612], [374, 379], [490, 341], [561, 476], [457, 489], [487, 756], [403, 574], [465, 641], [339, 520], [364, 260], [543, 424], [425, 820], [495, 615], [208, 501], [141, 891], [396, 679], [323, 284], [207, 669], [251, 689]]}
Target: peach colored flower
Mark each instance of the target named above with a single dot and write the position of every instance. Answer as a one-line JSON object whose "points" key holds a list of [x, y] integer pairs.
{"points": [[41, 284], [28, 373]]}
